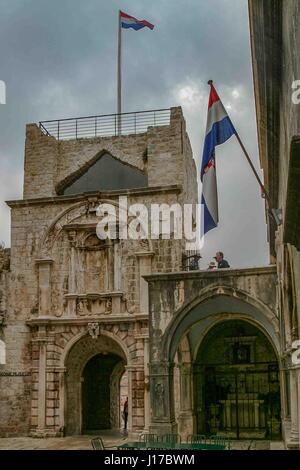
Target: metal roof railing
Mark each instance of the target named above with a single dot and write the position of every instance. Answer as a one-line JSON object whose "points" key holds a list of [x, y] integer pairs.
{"points": [[106, 125]]}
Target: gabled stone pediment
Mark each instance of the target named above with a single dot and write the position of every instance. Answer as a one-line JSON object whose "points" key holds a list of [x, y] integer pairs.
{"points": [[104, 172]]}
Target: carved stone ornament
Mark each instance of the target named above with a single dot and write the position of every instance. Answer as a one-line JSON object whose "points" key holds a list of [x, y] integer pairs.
{"points": [[94, 329]]}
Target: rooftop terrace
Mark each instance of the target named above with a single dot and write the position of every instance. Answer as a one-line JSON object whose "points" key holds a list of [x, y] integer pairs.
{"points": [[105, 125]]}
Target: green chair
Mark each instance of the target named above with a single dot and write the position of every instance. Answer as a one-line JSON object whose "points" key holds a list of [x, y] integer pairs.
{"points": [[97, 444], [149, 438], [196, 439], [220, 441], [171, 438]]}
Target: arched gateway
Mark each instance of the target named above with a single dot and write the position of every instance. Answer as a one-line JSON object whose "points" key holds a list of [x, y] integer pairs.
{"points": [[94, 370], [236, 383], [214, 354]]}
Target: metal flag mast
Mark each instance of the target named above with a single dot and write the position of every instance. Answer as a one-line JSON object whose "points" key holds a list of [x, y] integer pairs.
{"points": [[119, 85], [274, 212]]}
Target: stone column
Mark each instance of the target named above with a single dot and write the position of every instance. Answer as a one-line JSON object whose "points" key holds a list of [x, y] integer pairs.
{"points": [[72, 266], [111, 267], [44, 282], [42, 380], [186, 406], [62, 373], [71, 300], [294, 437], [162, 398], [144, 269], [129, 375], [117, 267]]}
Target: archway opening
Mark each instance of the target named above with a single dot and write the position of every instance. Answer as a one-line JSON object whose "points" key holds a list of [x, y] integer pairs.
{"points": [[99, 395], [94, 369], [236, 383]]}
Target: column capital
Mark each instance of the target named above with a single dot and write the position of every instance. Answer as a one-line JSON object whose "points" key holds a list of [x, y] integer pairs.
{"points": [[42, 261]]}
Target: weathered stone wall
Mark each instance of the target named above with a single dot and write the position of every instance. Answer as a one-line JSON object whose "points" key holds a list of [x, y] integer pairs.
{"points": [[4, 268], [15, 375], [289, 111], [275, 35]]}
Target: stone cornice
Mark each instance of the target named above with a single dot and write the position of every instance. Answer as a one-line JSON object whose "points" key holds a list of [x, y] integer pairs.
{"points": [[210, 274], [107, 319], [99, 195]]}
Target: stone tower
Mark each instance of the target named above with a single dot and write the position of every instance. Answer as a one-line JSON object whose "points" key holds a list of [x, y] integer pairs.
{"points": [[74, 307]]}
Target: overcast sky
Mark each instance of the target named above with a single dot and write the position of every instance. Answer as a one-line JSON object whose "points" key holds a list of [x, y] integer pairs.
{"points": [[58, 59]]}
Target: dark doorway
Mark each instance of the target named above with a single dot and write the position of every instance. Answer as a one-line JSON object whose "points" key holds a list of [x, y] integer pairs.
{"points": [[96, 392], [237, 390]]}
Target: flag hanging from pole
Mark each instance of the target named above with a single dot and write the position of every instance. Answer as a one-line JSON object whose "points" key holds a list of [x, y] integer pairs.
{"points": [[219, 129], [128, 21]]}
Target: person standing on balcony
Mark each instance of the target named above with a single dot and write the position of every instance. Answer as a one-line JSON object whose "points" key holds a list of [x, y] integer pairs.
{"points": [[222, 263]]}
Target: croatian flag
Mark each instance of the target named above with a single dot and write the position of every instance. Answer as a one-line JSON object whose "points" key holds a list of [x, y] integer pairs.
{"points": [[128, 21], [219, 129]]}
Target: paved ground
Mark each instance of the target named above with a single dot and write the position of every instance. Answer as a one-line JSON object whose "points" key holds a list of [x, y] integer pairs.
{"points": [[110, 439]]}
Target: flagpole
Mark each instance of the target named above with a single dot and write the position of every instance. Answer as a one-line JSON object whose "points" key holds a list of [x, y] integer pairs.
{"points": [[255, 172], [210, 82], [119, 111]]}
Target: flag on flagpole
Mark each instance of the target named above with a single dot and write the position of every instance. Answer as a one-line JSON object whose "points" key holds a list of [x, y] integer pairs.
{"points": [[219, 128], [128, 21]]}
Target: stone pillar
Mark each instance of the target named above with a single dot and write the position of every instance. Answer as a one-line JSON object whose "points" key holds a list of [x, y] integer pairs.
{"points": [[144, 269], [147, 388], [73, 264], [42, 380], [294, 437], [116, 302], [117, 267], [71, 300], [44, 282], [185, 419], [110, 267], [162, 398], [61, 395], [129, 375]]}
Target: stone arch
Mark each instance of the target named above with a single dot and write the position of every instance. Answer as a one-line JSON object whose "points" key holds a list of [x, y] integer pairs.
{"points": [[79, 351], [223, 317], [68, 216], [217, 301], [75, 339]]}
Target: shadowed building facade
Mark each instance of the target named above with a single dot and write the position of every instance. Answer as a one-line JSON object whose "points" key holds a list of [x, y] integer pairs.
{"points": [[275, 37]]}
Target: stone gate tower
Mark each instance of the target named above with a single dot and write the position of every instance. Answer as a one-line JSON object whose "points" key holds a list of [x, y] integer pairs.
{"points": [[74, 308]]}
